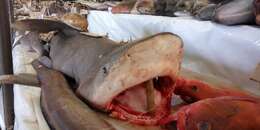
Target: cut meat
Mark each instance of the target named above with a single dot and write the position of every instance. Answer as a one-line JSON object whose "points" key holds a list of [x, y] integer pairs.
{"points": [[132, 104]]}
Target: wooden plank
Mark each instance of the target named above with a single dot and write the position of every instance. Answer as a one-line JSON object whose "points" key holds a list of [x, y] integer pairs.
{"points": [[6, 62], [256, 74]]}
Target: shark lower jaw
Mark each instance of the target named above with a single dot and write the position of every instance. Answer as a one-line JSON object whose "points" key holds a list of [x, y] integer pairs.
{"points": [[146, 103]]}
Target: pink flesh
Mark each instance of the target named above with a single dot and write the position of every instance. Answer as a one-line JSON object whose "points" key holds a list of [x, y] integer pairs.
{"points": [[135, 98], [131, 104]]}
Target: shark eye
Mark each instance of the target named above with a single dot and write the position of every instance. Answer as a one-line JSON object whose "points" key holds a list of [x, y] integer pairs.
{"points": [[105, 69]]}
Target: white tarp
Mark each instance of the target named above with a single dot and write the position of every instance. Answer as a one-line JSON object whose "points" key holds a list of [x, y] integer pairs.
{"points": [[228, 52], [28, 115]]}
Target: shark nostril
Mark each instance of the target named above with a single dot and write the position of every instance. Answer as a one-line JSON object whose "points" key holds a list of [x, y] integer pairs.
{"points": [[104, 70]]}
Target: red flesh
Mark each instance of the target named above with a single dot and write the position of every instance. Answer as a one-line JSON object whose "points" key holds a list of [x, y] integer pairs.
{"points": [[214, 108], [162, 109], [194, 90], [189, 90], [222, 113]]}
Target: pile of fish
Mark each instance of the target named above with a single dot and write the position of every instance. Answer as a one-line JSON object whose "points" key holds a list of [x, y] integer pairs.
{"points": [[57, 8], [228, 12], [92, 83]]}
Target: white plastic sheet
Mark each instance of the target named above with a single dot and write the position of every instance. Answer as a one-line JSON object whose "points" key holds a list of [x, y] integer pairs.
{"points": [[28, 115], [231, 53]]}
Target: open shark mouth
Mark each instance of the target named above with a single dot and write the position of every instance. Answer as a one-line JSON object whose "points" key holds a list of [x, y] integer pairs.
{"points": [[145, 103], [138, 85]]}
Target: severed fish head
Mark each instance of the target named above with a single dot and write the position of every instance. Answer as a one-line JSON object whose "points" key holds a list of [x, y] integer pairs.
{"points": [[136, 81]]}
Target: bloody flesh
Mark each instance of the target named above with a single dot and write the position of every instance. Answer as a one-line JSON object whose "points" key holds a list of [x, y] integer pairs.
{"points": [[194, 90], [213, 107], [131, 105]]}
